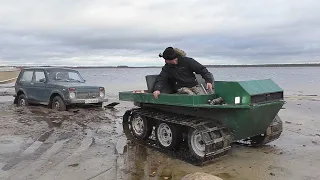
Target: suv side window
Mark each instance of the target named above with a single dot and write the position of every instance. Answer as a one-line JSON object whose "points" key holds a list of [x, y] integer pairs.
{"points": [[26, 76], [39, 75]]}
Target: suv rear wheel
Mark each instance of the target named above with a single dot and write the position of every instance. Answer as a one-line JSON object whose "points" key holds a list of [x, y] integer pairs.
{"points": [[22, 100], [58, 104]]}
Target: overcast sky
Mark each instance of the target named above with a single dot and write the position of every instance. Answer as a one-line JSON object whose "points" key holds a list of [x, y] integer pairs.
{"points": [[127, 32]]}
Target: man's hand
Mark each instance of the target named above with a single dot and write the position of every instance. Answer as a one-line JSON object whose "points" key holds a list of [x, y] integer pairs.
{"points": [[209, 86], [156, 94]]}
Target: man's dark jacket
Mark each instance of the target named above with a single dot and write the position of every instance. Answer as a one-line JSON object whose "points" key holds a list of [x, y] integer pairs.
{"points": [[181, 74]]}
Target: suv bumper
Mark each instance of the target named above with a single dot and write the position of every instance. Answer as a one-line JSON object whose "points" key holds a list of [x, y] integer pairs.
{"points": [[85, 101]]}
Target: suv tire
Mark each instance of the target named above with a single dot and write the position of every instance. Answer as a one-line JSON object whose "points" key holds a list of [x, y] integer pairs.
{"points": [[58, 104], [22, 100]]}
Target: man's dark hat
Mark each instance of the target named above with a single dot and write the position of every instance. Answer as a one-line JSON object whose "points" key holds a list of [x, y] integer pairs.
{"points": [[169, 54]]}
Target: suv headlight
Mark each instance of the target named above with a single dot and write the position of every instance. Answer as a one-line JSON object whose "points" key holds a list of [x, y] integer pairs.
{"points": [[72, 92], [72, 95], [102, 93]]}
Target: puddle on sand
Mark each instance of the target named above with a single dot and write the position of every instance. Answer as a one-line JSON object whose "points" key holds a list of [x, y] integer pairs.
{"points": [[144, 163]]}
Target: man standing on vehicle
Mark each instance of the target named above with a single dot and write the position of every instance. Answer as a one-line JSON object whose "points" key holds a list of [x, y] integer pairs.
{"points": [[180, 70]]}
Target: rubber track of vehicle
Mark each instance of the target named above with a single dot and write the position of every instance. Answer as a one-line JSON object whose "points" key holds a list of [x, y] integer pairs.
{"points": [[273, 132], [215, 146]]}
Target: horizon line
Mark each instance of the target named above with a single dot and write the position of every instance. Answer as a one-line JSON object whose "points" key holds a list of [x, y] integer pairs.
{"points": [[159, 66]]}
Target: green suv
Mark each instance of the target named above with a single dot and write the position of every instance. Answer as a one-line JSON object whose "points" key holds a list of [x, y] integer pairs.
{"points": [[55, 87]]}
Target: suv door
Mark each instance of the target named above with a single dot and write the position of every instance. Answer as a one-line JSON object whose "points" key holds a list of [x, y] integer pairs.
{"points": [[24, 83], [39, 90]]}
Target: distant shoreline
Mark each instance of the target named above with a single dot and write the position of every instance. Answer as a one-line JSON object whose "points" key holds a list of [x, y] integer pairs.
{"points": [[208, 66]]}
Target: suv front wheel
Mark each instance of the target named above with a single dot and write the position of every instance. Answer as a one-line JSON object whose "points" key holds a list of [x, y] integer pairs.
{"points": [[58, 104], [22, 100]]}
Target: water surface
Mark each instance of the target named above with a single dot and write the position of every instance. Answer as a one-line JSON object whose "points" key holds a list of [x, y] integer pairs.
{"points": [[294, 80]]}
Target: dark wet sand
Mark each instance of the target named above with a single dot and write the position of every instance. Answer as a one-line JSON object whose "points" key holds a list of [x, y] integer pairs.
{"points": [[37, 143]]}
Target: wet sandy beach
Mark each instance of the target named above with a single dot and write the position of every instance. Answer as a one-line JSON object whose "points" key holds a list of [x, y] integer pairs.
{"points": [[88, 143]]}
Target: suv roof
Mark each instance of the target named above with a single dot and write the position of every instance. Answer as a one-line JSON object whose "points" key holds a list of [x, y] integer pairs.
{"points": [[46, 68]]}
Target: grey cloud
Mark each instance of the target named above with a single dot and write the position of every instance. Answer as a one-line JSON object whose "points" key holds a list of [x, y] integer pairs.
{"points": [[242, 32]]}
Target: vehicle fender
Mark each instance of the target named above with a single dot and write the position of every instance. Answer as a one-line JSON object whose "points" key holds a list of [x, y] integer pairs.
{"points": [[23, 91], [15, 101], [57, 92]]}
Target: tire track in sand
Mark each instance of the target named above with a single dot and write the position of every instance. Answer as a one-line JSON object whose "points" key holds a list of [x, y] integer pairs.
{"points": [[35, 155]]}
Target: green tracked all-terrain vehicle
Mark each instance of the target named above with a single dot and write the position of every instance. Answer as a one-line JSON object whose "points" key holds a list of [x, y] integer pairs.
{"points": [[199, 128]]}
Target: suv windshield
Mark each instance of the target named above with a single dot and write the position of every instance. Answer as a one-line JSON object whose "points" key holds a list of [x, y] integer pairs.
{"points": [[65, 75]]}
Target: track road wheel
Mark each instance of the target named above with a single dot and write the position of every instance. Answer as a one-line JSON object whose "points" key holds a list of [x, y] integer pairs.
{"points": [[195, 143], [58, 104], [140, 126], [22, 100], [168, 135]]}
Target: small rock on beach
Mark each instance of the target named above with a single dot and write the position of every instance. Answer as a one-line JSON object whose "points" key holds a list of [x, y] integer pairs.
{"points": [[200, 176]]}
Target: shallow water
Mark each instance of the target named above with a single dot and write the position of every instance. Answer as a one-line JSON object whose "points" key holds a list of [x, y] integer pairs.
{"points": [[294, 80]]}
